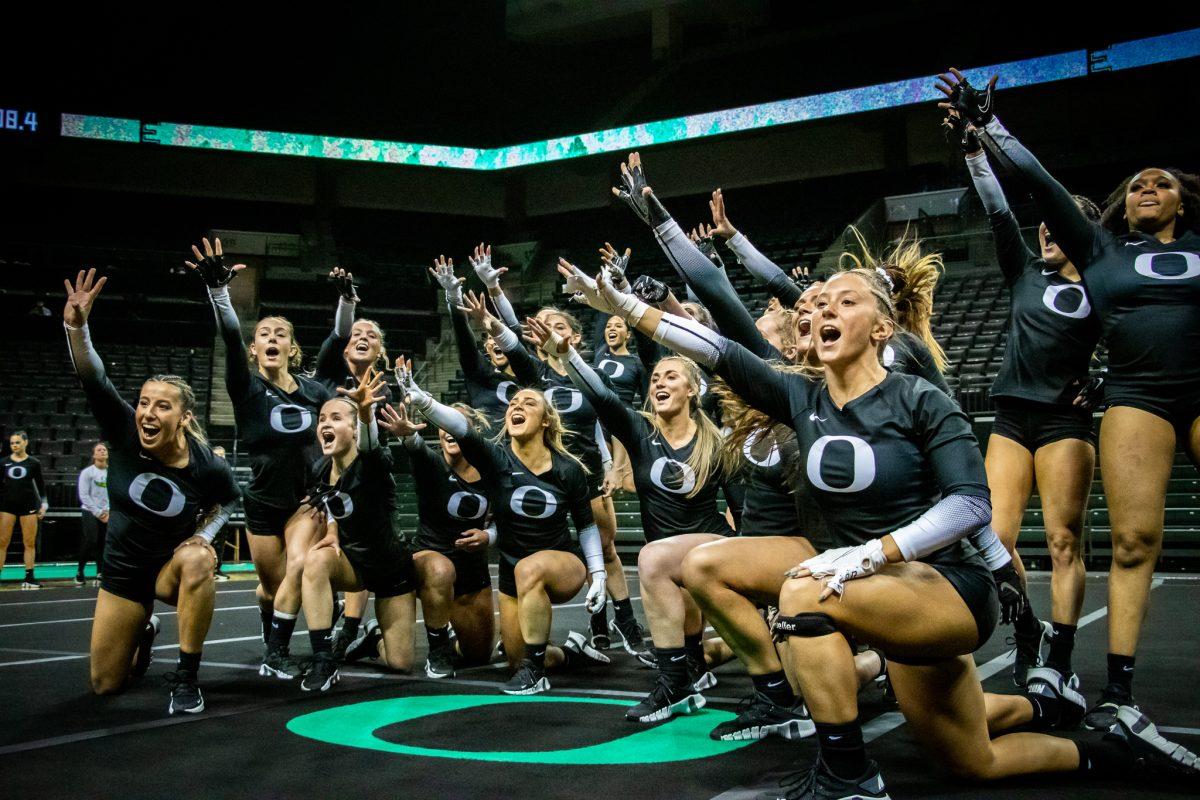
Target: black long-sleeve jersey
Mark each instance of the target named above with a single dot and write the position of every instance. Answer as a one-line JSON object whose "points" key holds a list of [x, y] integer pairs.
{"points": [[627, 374], [489, 390], [23, 486], [363, 502], [907, 354], [447, 505], [1052, 331]]}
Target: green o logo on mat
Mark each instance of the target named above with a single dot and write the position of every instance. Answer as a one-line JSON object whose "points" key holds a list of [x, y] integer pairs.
{"points": [[681, 739]]}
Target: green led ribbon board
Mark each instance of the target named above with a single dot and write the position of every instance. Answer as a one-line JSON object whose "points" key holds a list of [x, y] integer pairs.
{"points": [[1026, 72]]}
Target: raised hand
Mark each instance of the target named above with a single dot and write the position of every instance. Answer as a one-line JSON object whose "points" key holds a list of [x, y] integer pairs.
{"points": [[721, 224], [802, 277], [210, 265], [972, 105], [443, 272], [581, 287], [395, 420], [547, 340], [703, 237], [408, 385], [960, 133], [343, 281], [368, 392], [475, 307], [633, 189], [481, 260], [81, 296], [650, 291]]}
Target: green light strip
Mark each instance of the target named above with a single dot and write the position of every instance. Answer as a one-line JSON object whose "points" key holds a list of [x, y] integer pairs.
{"points": [[1027, 72]]}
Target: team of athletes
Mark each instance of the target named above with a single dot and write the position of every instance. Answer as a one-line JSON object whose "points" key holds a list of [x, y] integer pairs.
{"points": [[876, 543]]}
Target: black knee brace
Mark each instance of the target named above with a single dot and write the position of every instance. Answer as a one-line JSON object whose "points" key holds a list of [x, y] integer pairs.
{"points": [[805, 625]]}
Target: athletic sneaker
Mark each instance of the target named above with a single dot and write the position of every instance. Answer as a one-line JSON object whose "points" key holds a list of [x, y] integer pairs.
{"points": [[758, 718], [342, 642], [30, 584], [79, 580], [629, 635], [440, 662], [528, 679], [1103, 715], [321, 675], [220, 577], [819, 783], [581, 654], [598, 625], [1151, 749], [280, 664], [339, 610], [186, 697], [699, 674], [647, 658], [664, 702], [145, 649], [1050, 683], [1029, 651], [367, 645]]}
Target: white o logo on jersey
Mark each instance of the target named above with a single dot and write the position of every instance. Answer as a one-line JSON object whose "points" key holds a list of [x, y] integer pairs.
{"points": [[575, 399], [772, 457], [338, 505], [454, 506], [703, 387], [17, 472], [683, 475], [618, 369], [174, 504], [1144, 265], [864, 464], [301, 413], [517, 502], [1051, 295], [889, 355], [504, 391]]}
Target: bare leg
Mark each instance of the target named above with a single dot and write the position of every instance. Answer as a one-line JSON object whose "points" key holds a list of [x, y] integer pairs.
{"points": [[116, 625], [397, 619], [1010, 476], [667, 604], [1064, 478], [544, 578], [29, 528], [606, 520], [435, 575], [475, 625], [187, 582]]}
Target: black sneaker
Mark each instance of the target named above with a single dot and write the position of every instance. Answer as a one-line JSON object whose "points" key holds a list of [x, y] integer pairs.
{"points": [[30, 583], [342, 642], [1050, 683], [186, 697], [581, 654], [339, 611], [1150, 749], [598, 637], [818, 783], [664, 702], [699, 674], [367, 645], [1103, 715], [1029, 650], [440, 662], [79, 580], [758, 718], [528, 679], [321, 675], [629, 635], [279, 663], [145, 649]]}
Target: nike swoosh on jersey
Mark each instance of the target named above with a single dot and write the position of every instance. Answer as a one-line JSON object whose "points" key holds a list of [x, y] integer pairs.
{"points": [[1134, 244], [813, 417], [1049, 272]]}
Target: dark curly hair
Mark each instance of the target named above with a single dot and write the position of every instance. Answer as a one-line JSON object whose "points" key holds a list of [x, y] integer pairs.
{"points": [[1113, 216]]}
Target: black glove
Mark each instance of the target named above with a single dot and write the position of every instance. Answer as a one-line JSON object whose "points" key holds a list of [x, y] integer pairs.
{"points": [[958, 133], [706, 245], [345, 287], [213, 271], [971, 104], [1091, 396], [646, 206], [1012, 594], [650, 291]]}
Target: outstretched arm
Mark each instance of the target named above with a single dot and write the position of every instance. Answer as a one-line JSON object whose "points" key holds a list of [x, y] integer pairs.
{"points": [[114, 415], [767, 271], [210, 266], [481, 261], [331, 361], [524, 366]]}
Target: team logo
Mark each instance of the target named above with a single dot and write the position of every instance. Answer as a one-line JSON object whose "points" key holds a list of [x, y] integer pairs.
{"points": [[288, 418], [889, 355], [556, 395], [1050, 300], [505, 390], [614, 369], [467, 506], [532, 502], [672, 476], [861, 467], [772, 457], [157, 494], [1144, 265], [16, 472]]}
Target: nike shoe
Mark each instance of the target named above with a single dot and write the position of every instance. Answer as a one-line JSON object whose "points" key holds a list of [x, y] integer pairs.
{"points": [[528, 679], [440, 662], [342, 642], [1047, 682], [1103, 715], [186, 697], [599, 638], [278, 663], [1151, 749], [819, 783], [339, 610], [321, 675], [629, 635], [699, 675], [664, 702], [1029, 651], [367, 645], [79, 580], [581, 654], [758, 718], [30, 584], [145, 649]]}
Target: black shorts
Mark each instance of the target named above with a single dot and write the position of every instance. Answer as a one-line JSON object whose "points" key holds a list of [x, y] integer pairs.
{"points": [[975, 585], [128, 577], [470, 567], [265, 520], [385, 577], [1181, 412], [507, 582], [19, 508], [1034, 425]]}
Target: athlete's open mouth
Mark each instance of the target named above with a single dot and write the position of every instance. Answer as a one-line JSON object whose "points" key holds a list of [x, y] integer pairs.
{"points": [[805, 326], [362, 347], [662, 396], [271, 351], [450, 439], [150, 431], [518, 417], [1049, 238], [829, 334], [327, 436]]}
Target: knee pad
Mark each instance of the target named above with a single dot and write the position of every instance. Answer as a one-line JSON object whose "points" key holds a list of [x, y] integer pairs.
{"points": [[805, 625]]}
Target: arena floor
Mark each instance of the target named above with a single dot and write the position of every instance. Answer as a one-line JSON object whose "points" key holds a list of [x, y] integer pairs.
{"points": [[460, 737]]}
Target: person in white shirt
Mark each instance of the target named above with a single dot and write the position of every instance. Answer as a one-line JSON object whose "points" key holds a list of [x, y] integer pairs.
{"points": [[93, 497]]}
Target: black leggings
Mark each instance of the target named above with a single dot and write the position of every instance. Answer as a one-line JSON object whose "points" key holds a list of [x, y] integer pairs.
{"points": [[91, 540]]}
